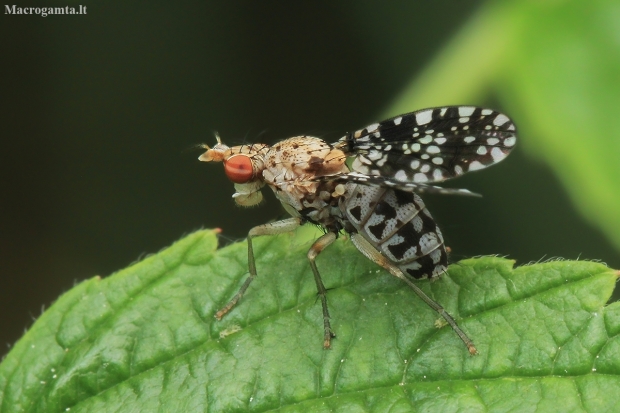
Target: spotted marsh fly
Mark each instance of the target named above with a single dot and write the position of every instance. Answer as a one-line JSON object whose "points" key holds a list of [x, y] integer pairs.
{"points": [[375, 199]]}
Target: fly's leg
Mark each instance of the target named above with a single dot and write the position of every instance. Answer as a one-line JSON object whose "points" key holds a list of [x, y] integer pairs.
{"points": [[318, 246], [278, 227], [371, 253]]}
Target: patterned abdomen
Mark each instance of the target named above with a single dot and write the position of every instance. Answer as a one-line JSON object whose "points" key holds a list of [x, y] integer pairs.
{"points": [[398, 225]]}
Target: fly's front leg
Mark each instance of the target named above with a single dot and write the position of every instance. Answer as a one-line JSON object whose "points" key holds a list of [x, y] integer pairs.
{"points": [[371, 253], [318, 246], [278, 227]]}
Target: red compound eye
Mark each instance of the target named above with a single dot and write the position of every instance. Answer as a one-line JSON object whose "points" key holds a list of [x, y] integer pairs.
{"points": [[238, 168]]}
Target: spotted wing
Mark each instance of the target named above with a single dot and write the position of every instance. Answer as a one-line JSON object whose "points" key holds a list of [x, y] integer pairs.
{"points": [[391, 183], [431, 145]]}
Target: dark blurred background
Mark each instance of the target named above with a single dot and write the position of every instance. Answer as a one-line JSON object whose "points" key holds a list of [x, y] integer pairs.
{"points": [[100, 115]]}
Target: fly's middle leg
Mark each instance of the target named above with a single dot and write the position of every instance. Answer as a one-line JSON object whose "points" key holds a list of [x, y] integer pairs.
{"points": [[318, 246]]}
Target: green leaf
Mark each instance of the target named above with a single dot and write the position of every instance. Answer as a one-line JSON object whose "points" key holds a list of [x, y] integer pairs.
{"points": [[144, 339]]}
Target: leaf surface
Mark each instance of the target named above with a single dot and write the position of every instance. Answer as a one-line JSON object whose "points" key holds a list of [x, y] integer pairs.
{"points": [[144, 339]]}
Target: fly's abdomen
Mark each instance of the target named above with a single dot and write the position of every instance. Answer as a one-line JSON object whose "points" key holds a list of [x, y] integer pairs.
{"points": [[398, 225]]}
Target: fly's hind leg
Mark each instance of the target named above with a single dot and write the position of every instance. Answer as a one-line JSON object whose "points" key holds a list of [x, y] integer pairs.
{"points": [[278, 227], [371, 253], [318, 246]]}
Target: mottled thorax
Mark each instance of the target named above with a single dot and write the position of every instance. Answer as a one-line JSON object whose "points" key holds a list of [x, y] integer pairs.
{"points": [[292, 169]]}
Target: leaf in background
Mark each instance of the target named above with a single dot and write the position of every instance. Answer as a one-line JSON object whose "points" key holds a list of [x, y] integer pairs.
{"points": [[556, 67], [464, 71], [563, 80], [145, 338]]}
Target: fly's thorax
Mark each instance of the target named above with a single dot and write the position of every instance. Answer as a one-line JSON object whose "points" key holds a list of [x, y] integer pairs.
{"points": [[292, 168], [302, 157]]}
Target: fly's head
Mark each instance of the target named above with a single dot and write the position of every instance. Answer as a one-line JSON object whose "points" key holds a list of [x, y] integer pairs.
{"points": [[243, 165]]}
